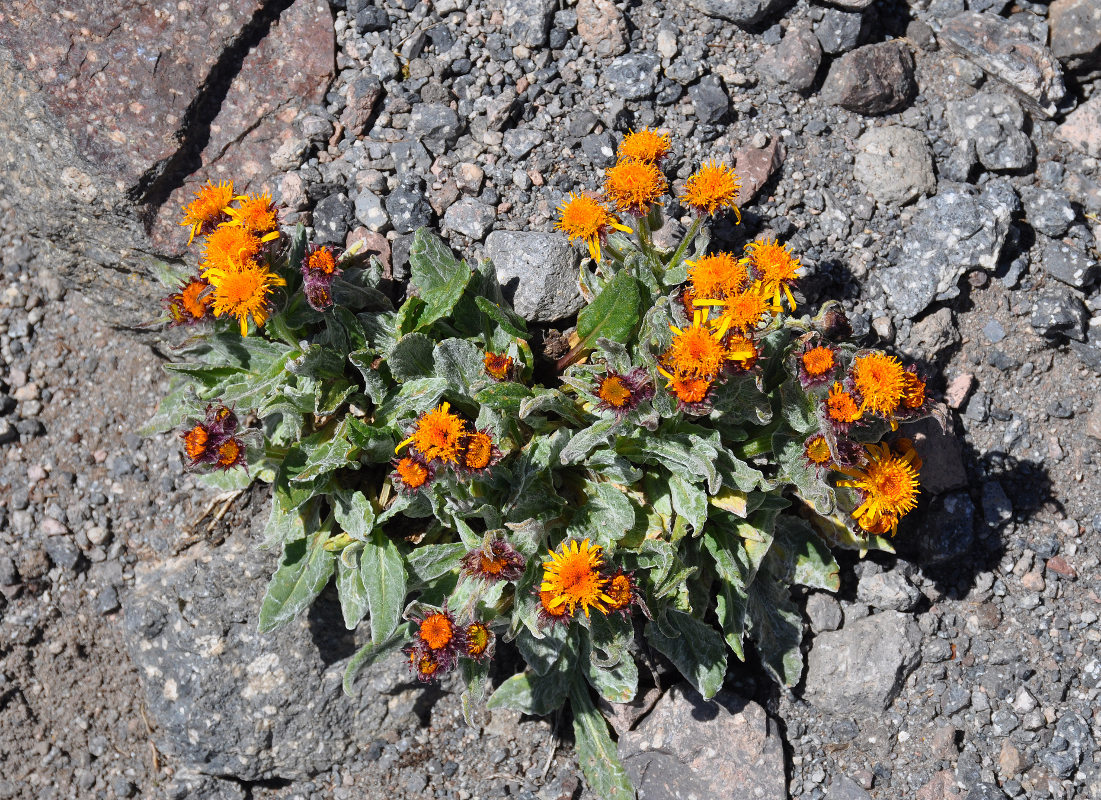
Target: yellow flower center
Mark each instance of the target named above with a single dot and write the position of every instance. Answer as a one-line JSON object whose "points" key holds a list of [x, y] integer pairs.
{"points": [[619, 591], [614, 391], [818, 450], [498, 365], [477, 639], [479, 451], [229, 453]]}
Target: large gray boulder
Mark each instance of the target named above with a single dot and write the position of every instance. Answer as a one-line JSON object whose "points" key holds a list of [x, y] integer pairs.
{"points": [[538, 272], [115, 112]]}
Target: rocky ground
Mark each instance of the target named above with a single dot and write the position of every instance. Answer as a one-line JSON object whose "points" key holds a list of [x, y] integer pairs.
{"points": [[935, 164]]}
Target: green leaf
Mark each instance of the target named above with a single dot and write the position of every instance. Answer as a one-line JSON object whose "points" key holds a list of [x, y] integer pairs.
{"points": [[614, 314], [777, 630], [176, 407], [233, 480], [459, 362], [677, 452], [429, 562], [411, 358], [616, 684], [585, 440], [506, 397], [530, 693], [542, 653], [596, 753], [605, 518], [476, 677], [690, 501], [349, 588], [799, 408], [807, 559], [335, 453], [437, 276], [696, 650], [302, 574], [383, 574], [512, 323], [354, 514], [317, 362], [365, 361], [330, 396], [376, 445]]}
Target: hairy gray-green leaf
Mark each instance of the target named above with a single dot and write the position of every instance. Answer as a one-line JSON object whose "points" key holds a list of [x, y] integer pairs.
{"points": [[353, 513], [349, 588], [584, 440], [614, 314], [383, 575], [411, 358], [696, 650], [302, 574], [437, 276], [777, 630], [596, 753], [459, 362]]}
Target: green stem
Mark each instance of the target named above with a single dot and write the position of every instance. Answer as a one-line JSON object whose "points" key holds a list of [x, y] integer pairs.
{"points": [[697, 223], [617, 254], [644, 240], [759, 444]]}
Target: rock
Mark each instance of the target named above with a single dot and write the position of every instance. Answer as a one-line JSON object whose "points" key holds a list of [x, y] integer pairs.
{"points": [[957, 230], [986, 791], [633, 76], [229, 701], [995, 123], [667, 41], [107, 601], [470, 217], [1076, 34], [330, 219], [62, 551], [949, 529], [384, 64], [1068, 264], [623, 716], [602, 27], [755, 166], [529, 21], [190, 785], [942, 469], [408, 210], [933, 334], [839, 31], [746, 13], [959, 389], [521, 141], [888, 591], [873, 79], [860, 669], [993, 331], [371, 211], [599, 149], [942, 786], [436, 125], [853, 5], [1082, 128], [842, 788], [1048, 211], [363, 95], [371, 18], [1008, 52], [690, 747], [539, 270], [106, 137], [709, 100], [895, 164], [795, 61], [1059, 311], [824, 612]]}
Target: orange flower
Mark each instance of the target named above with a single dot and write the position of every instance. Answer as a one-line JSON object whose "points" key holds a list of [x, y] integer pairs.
{"points": [[479, 452], [775, 267], [438, 435], [817, 450], [424, 663], [208, 207], [256, 214], [572, 577], [493, 562], [881, 382], [644, 145], [696, 351], [582, 217], [841, 407], [411, 474], [228, 247], [888, 485], [712, 187], [498, 366], [913, 396], [742, 312], [715, 276], [437, 630], [195, 442], [689, 391], [230, 453], [320, 259], [191, 304], [478, 640], [633, 186], [242, 291], [742, 351]]}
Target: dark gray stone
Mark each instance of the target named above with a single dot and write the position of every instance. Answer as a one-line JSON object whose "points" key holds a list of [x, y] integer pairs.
{"points": [[691, 747], [529, 21], [709, 99], [986, 791], [888, 591], [599, 148], [995, 123], [371, 211], [361, 100], [470, 217], [795, 61], [745, 13], [1076, 34], [1059, 310], [1069, 264], [435, 124], [843, 788], [539, 270], [895, 164], [371, 18], [8, 574], [331, 217], [408, 210], [873, 79], [1049, 211], [1009, 52], [958, 230], [824, 612], [521, 141], [949, 528], [860, 669], [107, 601], [232, 702], [62, 551], [633, 76], [839, 31]]}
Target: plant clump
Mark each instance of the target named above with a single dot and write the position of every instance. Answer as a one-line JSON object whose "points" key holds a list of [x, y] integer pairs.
{"points": [[700, 450]]}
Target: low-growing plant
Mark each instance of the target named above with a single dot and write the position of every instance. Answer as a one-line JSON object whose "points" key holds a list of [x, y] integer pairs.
{"points": [[698, 451]]}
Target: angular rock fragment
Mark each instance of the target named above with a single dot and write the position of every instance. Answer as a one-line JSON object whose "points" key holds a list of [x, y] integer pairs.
{"points": [[995, 123], [895, 163], [745, 13], [873, 79], [539, 271]]}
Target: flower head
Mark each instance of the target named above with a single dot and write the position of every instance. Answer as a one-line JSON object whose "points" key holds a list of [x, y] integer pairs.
{"points": [[190, 304], [712, 187], [550, 614], [208, 208], [479, 453], [479, 641], [741, 311], [499, 366], [228, 247], [319, 259], [196, 442], [439, 636], [690, 392], [816, 450], [255, 213], [644, 145], [775, 267], [716, 276], [623, 592], [880, 381], [741, 351], [212, 441], [410, 474], [842, 408], [622, 394], [572, 577], [817, 365], [887, 484], [230, 453], [438, 435], [697, 351], [633, 186], [319, 267], [424, 663], [242, 292], [582, 217], [496, 561], [913, 395]]}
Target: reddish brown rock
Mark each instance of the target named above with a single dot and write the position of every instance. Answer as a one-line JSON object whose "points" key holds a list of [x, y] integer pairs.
{"points": [[602, 27], [114, 112], [1082, 129], [1061, 566], [754, 166]]}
